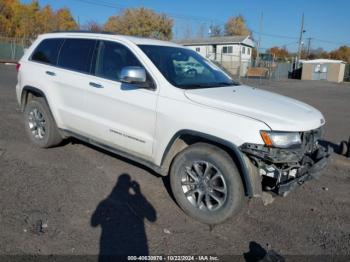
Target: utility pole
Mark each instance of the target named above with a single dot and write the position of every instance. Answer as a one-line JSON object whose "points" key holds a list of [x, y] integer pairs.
{"points": [[259, 42], [309, 46], [210, 31], [302, 31], [79, 23]]}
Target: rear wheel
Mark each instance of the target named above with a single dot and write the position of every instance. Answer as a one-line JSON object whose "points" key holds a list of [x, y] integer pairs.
{"points": [[206, 183], [40, 125]]}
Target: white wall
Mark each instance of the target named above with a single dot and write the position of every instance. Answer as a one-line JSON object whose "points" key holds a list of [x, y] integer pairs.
{"points": [[204, 50], [230, 61], [248, 53], [235, 55], [237, 60], [207, 50]]}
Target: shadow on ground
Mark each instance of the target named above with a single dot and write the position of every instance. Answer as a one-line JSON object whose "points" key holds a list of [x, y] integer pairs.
{"points": [[122, 219], [166, 180], [257, 253], [340, 149]]}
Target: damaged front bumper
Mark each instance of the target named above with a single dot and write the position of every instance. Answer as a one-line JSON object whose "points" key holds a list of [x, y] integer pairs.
{"points": [[306, 173], [283, 170]]}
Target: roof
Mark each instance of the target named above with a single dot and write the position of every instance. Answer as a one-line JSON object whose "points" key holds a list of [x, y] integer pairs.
{"points": [[217, 40], [105, 35], [322, 61]]}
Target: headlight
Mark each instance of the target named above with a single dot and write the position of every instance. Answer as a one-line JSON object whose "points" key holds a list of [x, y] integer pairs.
{"points": [[281, 139]]}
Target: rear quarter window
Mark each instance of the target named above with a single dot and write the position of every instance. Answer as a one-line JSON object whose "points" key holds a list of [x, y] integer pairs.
{"points": [[47, 51]]}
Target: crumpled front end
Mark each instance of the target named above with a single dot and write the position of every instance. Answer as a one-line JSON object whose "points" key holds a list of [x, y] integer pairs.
{"points": [[283, 170]]}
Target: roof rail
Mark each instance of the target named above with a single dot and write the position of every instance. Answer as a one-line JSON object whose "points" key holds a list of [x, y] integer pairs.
{"points": [[84, 31]]}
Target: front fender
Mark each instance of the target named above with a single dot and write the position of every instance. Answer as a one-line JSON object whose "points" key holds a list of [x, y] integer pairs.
{"points": [[249, 173]]}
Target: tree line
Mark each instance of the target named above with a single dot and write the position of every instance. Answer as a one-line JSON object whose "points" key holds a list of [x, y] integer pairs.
{"points": [[235, 25], [19, 20], [26, 21], [29, 20], [282, 53], [145, 22]]}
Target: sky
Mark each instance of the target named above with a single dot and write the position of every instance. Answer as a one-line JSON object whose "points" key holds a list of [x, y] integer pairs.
{"points": [[326, 21]]}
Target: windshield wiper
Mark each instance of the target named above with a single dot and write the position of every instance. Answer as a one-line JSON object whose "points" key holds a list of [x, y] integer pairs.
{"points": [[208, 85], [223, 84]]}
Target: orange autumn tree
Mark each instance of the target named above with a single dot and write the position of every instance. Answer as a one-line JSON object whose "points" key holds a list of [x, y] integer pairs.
{"points": [[92, 26], [6, 13], [141, 22], [281, 53], [342, 53], [236, 25], [64, 20], [29, 20]]}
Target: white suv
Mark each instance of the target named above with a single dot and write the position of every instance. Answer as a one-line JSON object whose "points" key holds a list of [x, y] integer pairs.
{"points": [[219, 141]]}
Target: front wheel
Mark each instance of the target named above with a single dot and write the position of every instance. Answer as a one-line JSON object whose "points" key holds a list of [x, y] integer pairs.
{"points": [[206, 183]]}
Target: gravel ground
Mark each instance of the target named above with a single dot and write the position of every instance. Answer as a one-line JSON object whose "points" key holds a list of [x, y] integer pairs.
{"points": [[79, 200]]}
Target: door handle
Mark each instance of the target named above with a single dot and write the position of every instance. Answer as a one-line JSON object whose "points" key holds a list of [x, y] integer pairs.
{"points": [[50, 73], [95, 85]]}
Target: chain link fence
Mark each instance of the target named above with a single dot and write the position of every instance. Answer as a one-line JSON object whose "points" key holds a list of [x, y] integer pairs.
{"points": [[235, 65], [347, 73], [12, 49], [242, 68]]}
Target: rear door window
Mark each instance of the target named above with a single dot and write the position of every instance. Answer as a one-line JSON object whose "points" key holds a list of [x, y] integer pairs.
{"points": [[76, 54], [47, 51]]}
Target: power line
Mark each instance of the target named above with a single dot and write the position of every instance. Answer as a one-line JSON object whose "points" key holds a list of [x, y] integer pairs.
{"points": [[173, 15], [178, 16], [280, 46], [197, 18], [101, 3], [291, 43], [275, 36], [330, 42]]}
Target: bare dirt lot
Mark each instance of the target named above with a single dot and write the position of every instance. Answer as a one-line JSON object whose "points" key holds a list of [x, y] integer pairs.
{"points": [[76, 199]]}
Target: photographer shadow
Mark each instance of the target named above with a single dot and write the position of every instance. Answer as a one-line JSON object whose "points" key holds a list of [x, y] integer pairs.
{"points": [[121, 217]]}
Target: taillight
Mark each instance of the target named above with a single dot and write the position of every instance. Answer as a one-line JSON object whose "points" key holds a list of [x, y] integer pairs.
{"points": [[18, 65]]}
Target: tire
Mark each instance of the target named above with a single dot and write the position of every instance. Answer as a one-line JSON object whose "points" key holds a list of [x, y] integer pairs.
{"points": [[40, 125], [343, 148], [222, 173]]}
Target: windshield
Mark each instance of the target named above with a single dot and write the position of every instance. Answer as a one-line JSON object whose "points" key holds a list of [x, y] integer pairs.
{"points": [[185, 68]]}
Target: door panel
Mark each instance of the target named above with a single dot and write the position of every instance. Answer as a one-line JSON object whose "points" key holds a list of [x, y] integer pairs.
{"points": [[71, 81], [70, 89], [121, 115]]}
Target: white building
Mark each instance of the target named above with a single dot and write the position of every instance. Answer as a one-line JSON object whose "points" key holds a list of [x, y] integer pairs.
{"points": [[323, 69], [233, 52]]}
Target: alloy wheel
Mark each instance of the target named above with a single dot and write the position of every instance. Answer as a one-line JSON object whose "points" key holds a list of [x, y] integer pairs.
{"points": [[37, 123], [204, 186]]}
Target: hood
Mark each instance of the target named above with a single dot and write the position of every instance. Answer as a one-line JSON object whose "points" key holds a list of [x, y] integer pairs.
{"points": [[280, 113]]}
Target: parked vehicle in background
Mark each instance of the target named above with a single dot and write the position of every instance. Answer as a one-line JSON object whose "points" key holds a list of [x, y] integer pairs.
{"points": [[219, 141]]}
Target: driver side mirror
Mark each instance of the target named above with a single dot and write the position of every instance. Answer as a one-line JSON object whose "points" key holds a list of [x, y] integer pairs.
{"points": [[133, 75]]}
